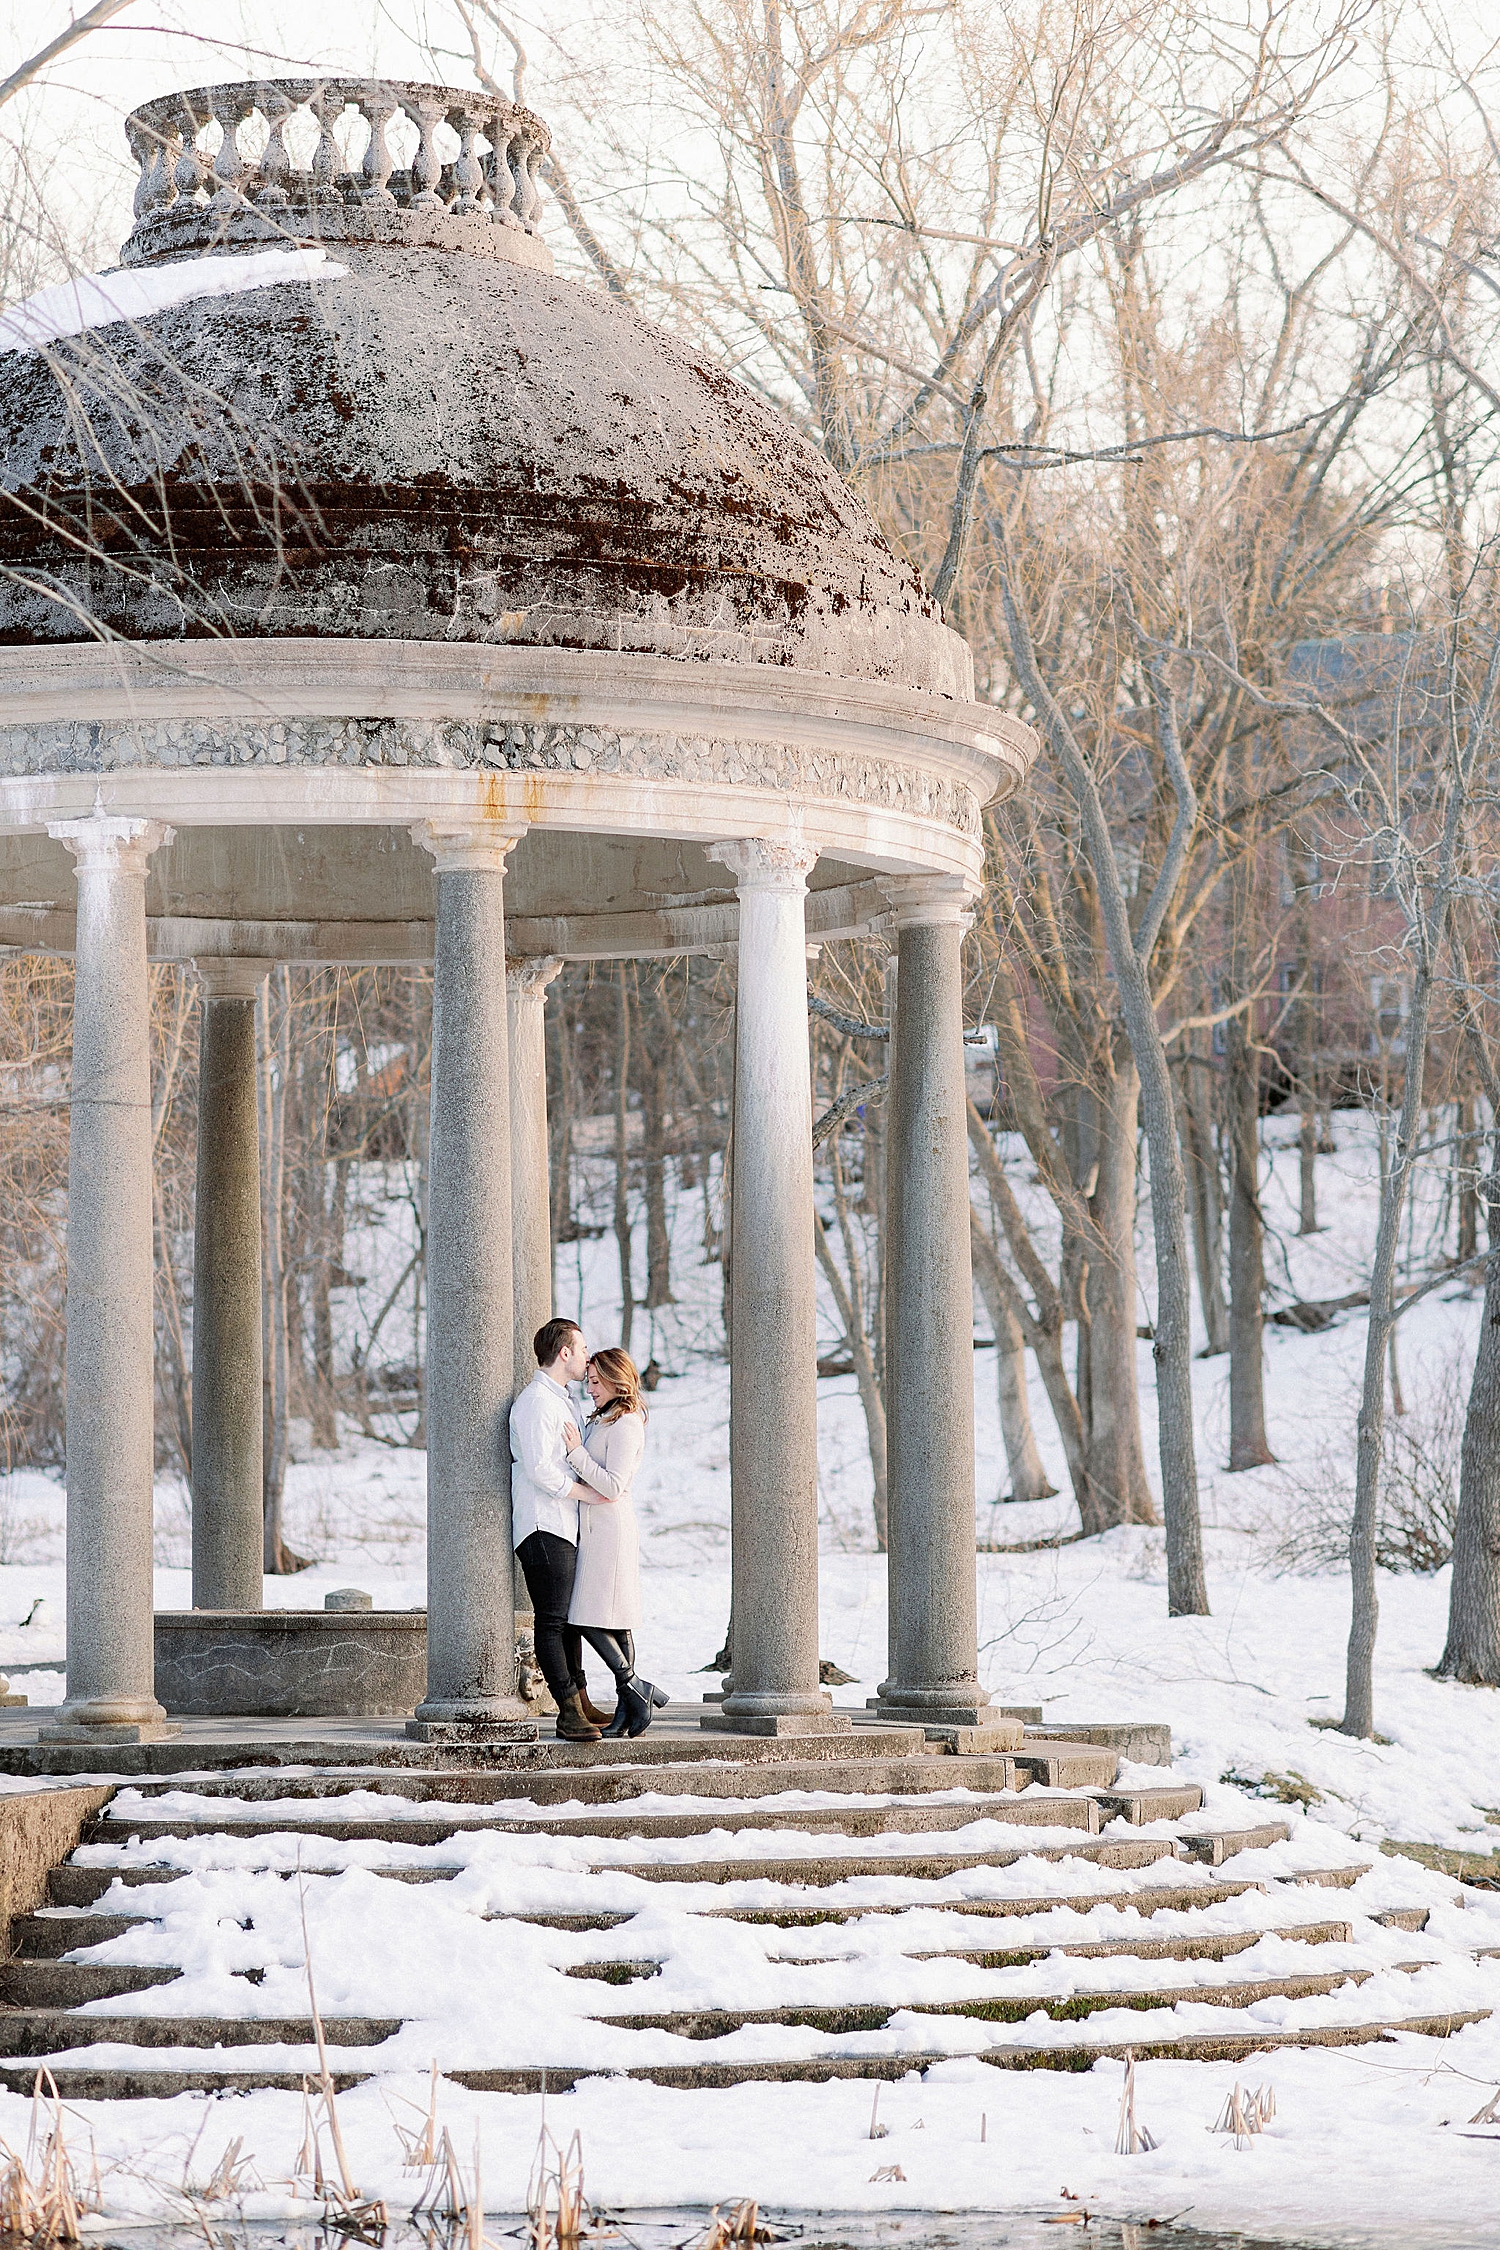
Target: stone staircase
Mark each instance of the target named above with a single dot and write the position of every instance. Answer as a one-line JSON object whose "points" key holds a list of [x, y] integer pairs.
{"points": [[857, 1907]]}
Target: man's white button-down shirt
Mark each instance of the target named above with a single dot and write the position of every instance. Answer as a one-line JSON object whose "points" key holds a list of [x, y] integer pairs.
{"points": [[542, 1486]]}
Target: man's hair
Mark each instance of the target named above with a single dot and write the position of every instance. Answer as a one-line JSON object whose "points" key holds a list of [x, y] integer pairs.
{"points": [[551, 1338]]}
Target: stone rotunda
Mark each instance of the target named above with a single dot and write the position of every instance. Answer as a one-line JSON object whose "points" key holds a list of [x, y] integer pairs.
{"points": [[372, 595]]}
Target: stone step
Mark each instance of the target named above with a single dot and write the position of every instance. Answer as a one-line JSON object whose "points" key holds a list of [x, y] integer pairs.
{"points": [[1221, 1946], [916, 1772], [81, 1886], [1067, 1765], [1218, 1946], [50, 2031], [1157, 1900], [190, 1754], [817, 1873], [1072, 2007], [1214, 1845], [86, 2082], [1328, 1878], [1147, 1742], [69, 1984], [1414, 1918], [1031, 1808], [45, 1937], [1213, 2046], [1170, 1801]]}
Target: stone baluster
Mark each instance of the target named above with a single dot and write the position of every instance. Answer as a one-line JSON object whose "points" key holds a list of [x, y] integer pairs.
{"points": [[327, 106], [275, 164], [157, 189], [427, 165], [143, 147], [502, 177], [528, 158], [377, 108], [468, 172], [191, 168], [231, 108]]}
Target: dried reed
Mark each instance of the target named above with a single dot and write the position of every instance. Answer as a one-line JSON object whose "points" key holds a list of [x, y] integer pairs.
{"points": [[1132, 2138]]}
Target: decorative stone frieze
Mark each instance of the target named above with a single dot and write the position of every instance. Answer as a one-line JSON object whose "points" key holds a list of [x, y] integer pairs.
{"points": [[839, 776]]}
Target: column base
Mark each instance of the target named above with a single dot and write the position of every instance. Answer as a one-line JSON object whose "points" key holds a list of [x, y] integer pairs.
{"points": [[499, 1720], [943, 1717], [752, 1714]]}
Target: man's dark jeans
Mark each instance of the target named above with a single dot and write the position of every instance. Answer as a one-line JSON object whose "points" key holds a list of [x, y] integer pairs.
{"points": [[548, 1563]]}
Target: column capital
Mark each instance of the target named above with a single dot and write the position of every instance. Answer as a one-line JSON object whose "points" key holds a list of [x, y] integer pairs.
{"points": [[467, 846], [757, 864], [224, 978], [112, 842], [918, 900], [527, 975]]}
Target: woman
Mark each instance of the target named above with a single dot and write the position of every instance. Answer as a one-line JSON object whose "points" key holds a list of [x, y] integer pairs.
{"points": [[606, 1606]]}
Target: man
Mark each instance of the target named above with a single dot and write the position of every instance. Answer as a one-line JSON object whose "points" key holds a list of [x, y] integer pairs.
{"points": [[544, 1509]]}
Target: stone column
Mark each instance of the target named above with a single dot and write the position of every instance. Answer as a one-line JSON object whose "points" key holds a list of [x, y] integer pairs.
{"points": [[773, 1373], [929, 1298], [471, 1645], [526, 985], [228, 1495], [110, 1346]]}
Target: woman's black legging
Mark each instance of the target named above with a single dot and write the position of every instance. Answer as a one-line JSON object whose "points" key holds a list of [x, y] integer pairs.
{"points": [[616, 1646]]}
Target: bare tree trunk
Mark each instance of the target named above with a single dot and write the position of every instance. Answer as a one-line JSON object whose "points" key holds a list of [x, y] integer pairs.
{"points": [[848, 1298], [1248, 1448], [1473, 1650], [325, 1425], [562, 1106], [1130, 951], [1466, 1157], [1205, 1195], [656, 1079], [622, 1162], [1430, 932], [1043, 1328], [1118, 1487], [1028, 1476]]}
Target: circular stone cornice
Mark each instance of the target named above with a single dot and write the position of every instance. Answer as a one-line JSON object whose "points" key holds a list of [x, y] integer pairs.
{"points": [[89, 709]]}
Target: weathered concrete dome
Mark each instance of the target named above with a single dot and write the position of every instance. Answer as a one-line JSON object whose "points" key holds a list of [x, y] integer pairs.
{"points": [[444, 441], [336, 517]]}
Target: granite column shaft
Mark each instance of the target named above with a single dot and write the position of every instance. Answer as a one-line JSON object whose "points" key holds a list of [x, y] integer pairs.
{"points": [[471, 1650], [110, 1333], [228, 1493], [773, 1417], [929, 1317]]}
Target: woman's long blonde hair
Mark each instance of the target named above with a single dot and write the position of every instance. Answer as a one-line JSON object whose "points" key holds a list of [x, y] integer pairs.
{"points": [[618, 1368]]}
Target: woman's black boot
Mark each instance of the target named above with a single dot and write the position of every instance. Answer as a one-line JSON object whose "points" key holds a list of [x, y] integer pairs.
{"points": [[622, 1717], [644, 1701]]}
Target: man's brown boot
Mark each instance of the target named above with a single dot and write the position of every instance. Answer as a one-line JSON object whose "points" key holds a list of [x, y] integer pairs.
{"points": [[572, 1726], [595, 1717]]}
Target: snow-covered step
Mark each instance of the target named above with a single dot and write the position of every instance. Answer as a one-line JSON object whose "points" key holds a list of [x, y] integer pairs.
{"points": [[1187, 2046], [1152, 1899], [71, 1984], [1031, 1808], [1020, 2007], [49, 2031], [1218, 1946]]}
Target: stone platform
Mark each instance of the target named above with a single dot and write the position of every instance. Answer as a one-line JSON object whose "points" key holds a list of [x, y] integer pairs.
{"points": [[209, 1744], [291, 1663]]}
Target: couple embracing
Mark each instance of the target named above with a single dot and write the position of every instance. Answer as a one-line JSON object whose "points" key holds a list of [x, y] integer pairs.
{"points": [[575, 1528]]}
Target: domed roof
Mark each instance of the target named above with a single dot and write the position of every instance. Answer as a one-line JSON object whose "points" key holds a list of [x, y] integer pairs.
{"points": [[432, 439]]}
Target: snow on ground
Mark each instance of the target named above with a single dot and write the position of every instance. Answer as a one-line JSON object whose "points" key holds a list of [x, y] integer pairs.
{"points": [[1367, 2143]]}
